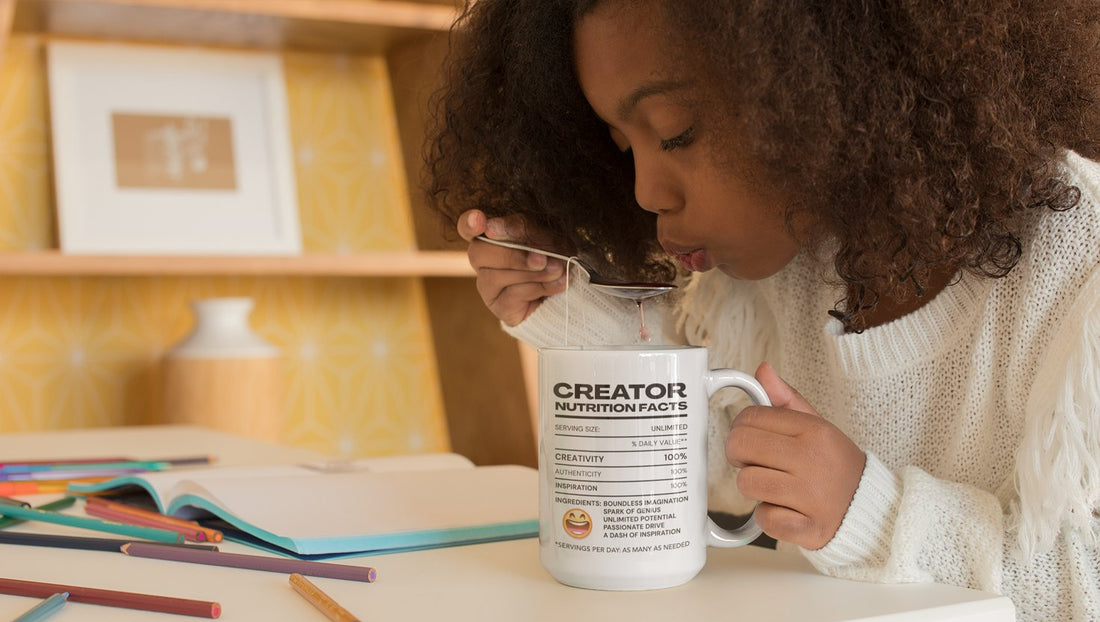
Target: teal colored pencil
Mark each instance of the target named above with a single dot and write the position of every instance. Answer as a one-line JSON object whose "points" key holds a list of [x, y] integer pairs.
{"points": [[133, 531], [52, 506], [44, 609], [149, 465]]}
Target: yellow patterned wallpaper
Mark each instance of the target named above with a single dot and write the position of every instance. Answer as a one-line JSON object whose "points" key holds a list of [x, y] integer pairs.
{"points": [[357, 353]]}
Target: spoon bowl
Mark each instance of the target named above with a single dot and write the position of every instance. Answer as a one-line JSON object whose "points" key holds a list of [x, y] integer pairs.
{"points": [[620, 289]]}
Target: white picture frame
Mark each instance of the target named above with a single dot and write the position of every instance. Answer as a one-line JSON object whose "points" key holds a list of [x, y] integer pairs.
{"points": [[176, 151]]}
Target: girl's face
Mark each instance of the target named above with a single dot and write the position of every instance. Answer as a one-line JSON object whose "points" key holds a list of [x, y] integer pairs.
{"points": [[708, 215]]}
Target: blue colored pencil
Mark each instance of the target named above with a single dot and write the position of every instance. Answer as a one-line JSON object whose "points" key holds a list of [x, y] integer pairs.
{"points": [[44, 609]]}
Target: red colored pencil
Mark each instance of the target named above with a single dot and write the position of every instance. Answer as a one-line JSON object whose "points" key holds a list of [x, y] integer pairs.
{"points": [[192, 533], [210, 535], [112, 598]]}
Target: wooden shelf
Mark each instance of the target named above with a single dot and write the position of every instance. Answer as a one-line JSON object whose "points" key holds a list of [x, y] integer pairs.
{"points": [[357, 26], [373, 264]]}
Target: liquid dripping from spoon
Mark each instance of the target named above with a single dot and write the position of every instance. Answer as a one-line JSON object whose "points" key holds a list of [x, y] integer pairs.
{"points": [[643, 332]]}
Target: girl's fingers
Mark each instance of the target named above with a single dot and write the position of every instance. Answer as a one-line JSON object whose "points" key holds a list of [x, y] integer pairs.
{"points": [[754, 446], [471, 223], [491, 282], [787, 525], [484, 255], [772, 486], [513, 301], [778, 420]]}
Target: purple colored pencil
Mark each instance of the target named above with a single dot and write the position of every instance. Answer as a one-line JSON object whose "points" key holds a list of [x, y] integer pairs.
{"points": [[251, 562]]}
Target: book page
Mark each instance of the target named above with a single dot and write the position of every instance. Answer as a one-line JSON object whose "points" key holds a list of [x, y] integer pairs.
{"points": [[410, 462], [326, 512]]}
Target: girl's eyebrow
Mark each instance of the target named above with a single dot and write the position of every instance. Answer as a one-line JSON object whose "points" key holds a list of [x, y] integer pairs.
{"points": [[630, 102]]}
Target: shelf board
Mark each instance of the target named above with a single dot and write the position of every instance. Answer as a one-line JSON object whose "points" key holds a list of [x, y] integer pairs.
{"points": [[357, 26], [370, 264]]}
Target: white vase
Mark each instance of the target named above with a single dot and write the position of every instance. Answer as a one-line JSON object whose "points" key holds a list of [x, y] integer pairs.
{"points": [[223, 375]]}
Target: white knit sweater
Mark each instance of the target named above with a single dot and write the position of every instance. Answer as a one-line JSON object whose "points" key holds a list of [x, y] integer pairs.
{"points": [[979, 412]]}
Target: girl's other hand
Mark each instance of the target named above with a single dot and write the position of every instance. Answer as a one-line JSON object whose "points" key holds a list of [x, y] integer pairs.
{"points": [[802, 469], [512, 283]]}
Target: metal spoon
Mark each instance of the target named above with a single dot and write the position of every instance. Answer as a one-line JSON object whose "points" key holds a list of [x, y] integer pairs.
{"points": [[620, 289]]}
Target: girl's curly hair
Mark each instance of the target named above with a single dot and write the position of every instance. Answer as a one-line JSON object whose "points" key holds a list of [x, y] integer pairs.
{"points": [[916, 135]]}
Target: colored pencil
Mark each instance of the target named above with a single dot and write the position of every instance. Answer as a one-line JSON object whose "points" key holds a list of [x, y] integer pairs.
{"points": [[192, 533], [64, 461], [32, 488], [322, 601], [52, 506], [252, 562], [181, 461], [84, 543], [44, 609], [67, 475], [17, 502], [44, 487], [112, 598], [132, 531], [143, 465], [211, 535]]}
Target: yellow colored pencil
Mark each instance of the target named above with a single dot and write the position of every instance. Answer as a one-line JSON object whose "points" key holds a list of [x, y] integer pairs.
{"points": [[321, 601]]}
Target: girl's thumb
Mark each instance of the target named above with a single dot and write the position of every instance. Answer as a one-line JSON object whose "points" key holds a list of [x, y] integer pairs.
{"points": [[782, 394]]}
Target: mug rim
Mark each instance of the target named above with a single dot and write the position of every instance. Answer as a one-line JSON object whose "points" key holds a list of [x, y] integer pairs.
{"points": [[623, 348]]}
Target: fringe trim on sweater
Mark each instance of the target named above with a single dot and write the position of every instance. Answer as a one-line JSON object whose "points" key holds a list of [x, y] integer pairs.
{"points": [[715, 303], [1058, 462]]}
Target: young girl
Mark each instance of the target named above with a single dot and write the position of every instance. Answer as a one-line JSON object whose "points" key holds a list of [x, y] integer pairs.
{"points": [[889, 203]]}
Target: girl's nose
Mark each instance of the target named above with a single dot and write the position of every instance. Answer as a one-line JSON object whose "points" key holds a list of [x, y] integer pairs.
{"points": [[655, 188]]}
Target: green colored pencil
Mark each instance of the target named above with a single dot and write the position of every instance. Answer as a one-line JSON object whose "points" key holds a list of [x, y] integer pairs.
{"points": [[133, 531], [52, 506]]}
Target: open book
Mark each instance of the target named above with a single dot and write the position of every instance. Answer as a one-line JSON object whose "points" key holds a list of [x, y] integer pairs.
{"points": [[356, 508]]}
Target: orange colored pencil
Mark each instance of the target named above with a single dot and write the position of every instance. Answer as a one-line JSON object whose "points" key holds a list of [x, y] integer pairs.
{"points": [[31, 488], [188, 533], [320, 600], [211, 535]]}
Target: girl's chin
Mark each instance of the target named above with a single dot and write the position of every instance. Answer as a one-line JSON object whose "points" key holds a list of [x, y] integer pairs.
{"points": [[740, 274]]}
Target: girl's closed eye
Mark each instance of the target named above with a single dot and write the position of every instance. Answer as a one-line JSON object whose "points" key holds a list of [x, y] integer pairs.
{"points": [[683, 139]]}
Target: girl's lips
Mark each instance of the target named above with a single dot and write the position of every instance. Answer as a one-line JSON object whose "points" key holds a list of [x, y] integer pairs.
{"points": [[694, 261]]}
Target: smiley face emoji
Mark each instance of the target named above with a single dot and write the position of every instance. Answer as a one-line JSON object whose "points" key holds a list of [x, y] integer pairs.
{"points": [[577, 523]]}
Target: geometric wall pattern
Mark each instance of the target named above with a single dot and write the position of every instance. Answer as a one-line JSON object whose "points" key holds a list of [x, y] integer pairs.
{"points": [[360, 375]]}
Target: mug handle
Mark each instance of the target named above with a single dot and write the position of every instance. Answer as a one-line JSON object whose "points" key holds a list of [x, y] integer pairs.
{"points": [[719, 379]]}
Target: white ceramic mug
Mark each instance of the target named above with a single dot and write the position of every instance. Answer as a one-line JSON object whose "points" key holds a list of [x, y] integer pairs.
{"points": [[623, 464]]}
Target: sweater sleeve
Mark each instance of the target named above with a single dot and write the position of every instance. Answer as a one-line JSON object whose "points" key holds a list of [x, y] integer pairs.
{"points": [[1042, 547]]}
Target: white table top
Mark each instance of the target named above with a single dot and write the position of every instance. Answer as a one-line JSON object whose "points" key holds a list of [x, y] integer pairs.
{"points": [[498, 581]]}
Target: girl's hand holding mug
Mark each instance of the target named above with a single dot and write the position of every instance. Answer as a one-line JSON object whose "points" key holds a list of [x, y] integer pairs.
{"points": [[512, 283], [802, 469]]}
